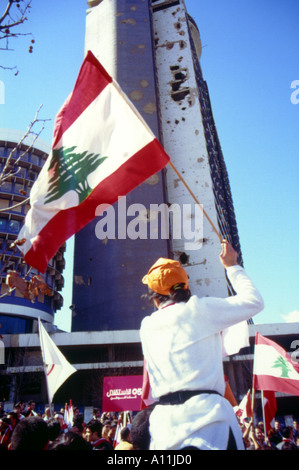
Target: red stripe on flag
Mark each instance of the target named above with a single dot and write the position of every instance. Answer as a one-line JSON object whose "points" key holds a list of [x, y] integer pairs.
{"points": [[91, 81], [51, 367], [270, 408], [277, 384], [68, 222]]}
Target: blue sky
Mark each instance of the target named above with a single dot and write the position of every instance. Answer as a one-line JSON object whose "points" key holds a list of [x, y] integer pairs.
{"points": [[250, 59]]}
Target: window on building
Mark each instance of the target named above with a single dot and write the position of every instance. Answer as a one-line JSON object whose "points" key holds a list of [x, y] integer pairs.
{"points": [[3, 223], [14, 226]]}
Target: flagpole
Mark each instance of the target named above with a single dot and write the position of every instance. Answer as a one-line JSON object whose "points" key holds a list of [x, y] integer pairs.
{"points": [[196, 200], [264, 420], [253, 404], [253, 389], [45, 367]]}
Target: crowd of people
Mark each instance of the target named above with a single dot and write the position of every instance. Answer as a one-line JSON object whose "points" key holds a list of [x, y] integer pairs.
{"points": [[25, 429], [277, 438]]}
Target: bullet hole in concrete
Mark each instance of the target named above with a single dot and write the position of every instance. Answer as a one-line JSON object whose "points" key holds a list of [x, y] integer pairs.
{"points": [[180, 95], [176, 86], [184, 258], [169, 45], [180, 75]]}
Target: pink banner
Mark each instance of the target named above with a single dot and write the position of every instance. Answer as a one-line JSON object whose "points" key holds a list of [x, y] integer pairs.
{"points": [[122, 393]]}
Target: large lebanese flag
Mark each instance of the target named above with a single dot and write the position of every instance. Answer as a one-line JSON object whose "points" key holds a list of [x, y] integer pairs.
{"points": [[102, 149], [273, 368]]}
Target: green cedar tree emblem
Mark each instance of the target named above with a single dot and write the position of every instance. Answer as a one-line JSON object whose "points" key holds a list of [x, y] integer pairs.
{"points": [[69, 170], [284, 365]]}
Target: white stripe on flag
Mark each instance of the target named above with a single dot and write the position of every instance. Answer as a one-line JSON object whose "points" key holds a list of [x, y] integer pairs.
{"points": [[264, 363], [106, 127]]}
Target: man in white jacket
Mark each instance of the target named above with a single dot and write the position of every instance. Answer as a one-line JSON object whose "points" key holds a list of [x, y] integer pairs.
{"points": [[182, 348]]}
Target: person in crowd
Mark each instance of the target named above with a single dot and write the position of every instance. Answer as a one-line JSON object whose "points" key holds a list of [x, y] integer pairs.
{"points": [[276, 436], [54, 430], [79, 424], [96, 414], [19, 409], [70, 441], [105, 418], [272, 442], [295, 429], [260, 424], [61, 421], [30, 409], [93, 436], [140, 434], [76, 411], [111, 432], [30, 434], [287, 442], [47, 414], [182, 347], [246, 431], [11, 421], [106, 429], [258, 438], [125, 443]]}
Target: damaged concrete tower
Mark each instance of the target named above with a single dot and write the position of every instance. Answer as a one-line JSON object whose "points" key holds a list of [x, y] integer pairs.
{"points": [[152, 48]]}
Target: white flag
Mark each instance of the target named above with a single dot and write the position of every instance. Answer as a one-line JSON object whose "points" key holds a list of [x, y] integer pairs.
{"points": [[235, 338], [58, 369]]}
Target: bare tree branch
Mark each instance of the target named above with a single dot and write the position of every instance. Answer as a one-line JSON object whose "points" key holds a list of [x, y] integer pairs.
{"points": [[11, 19], [11, 167], [10, 170], [16, 205], [14, 15]]}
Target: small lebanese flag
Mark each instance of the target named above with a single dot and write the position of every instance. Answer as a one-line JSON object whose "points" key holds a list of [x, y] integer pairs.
{"points": [[244, 410], [69, 414], [102, 149], [273, 368]]}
